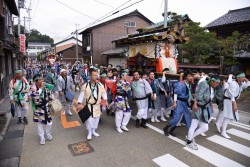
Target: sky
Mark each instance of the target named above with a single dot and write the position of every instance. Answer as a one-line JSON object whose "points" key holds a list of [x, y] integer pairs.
{"points": [[59, 18]]}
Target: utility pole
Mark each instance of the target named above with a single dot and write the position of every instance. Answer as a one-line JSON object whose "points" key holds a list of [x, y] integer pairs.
{"points": [[166, 14], [19, 6], [76, 43]]}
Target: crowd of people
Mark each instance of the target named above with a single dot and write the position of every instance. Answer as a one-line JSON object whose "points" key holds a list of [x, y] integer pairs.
{"points": [[187, 100]]}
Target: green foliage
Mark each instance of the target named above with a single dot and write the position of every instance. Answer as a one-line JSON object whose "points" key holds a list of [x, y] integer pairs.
{"points": [[21, 29], [206, 48], [35, 35]]}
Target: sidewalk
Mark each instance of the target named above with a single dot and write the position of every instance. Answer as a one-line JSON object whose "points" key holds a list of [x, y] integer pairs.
{"points": [[11, 137]]}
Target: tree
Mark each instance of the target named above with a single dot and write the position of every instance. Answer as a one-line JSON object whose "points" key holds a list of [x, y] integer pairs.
{"points": [[36, 36], [21, 29], [202, 44]]}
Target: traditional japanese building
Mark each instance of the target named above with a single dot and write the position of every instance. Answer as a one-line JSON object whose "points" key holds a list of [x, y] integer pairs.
{"points": [[224, 26]]}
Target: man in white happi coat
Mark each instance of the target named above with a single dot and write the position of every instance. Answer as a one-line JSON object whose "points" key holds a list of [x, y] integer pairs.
{"points": [[92, 93], [64, 83], [230, 112], [141, 89], [19, 95]]}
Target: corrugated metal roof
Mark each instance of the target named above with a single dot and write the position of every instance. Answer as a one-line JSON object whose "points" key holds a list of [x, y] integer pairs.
{"points": [[233, 16]]}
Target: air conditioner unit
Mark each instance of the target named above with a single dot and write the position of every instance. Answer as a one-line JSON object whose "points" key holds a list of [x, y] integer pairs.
{"points": [[88, 48]]}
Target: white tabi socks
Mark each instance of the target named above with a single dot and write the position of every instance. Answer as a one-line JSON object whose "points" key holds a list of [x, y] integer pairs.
{"points": [[89, 137], [162, 115], [224, 128], [94, 133]]}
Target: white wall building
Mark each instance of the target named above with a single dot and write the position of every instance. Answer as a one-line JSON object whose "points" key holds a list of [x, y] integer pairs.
{"points": [[35, 47]]}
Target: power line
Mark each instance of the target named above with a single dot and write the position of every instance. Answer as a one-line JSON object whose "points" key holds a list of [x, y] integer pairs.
{"points": [[157, 16], [43, 28], [106, 15], [46, 13], [104, 4], [75, 10], [130, 5], [35, 9]]}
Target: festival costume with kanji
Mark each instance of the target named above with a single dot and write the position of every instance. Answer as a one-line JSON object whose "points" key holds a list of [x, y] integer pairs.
{"points": [[92, 94], [41, 111]]}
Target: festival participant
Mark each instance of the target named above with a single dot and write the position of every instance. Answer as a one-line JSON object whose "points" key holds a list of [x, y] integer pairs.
{"points": [[233, 92], [155, 103], [201, 114], [64, 83], [91, 94], [141, 90], [107, 84], [20, 96], [78, 81], [85, 73], [165, 98], [182, 98], [123, 110], [51, 78], [41, 95]]}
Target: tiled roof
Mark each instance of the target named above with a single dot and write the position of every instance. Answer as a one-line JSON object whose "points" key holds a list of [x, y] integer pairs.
{"points": [[242, 55], [233, 16], [63, 47], [114, 51], [155, 26]]}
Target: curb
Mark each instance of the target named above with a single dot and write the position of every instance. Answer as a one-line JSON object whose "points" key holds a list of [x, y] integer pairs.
{"points": [[6, 126]]}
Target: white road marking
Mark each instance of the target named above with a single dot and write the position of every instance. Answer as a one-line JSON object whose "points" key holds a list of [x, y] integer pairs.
{"points": [[239, 133], [204, 153], [238, 124], [230, 145], [168, 160]]}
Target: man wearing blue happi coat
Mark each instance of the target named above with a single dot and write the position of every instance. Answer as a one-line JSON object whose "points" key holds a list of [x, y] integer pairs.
{"points": [[182, 98]]}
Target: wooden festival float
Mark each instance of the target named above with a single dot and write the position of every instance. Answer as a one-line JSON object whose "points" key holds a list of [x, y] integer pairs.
{"points": [[155, 48]]}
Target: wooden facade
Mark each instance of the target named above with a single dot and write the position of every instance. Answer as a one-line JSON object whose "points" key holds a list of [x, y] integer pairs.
{"points": [[10, 56], [224, 26]]}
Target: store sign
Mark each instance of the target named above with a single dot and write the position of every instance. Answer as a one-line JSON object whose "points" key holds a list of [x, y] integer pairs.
{"points": [[22, 44]]}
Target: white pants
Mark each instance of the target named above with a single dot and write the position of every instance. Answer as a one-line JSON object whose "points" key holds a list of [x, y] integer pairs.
{"points": [[225, 122], [219, 118], [92, 123], [122, 118], [193, 131], [103, 108], [41, 129], [19, 110], [156, 112], [112, 105], [142, 113]]}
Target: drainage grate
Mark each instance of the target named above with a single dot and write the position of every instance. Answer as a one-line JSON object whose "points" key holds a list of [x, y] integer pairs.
{"points": [[80, 148]]}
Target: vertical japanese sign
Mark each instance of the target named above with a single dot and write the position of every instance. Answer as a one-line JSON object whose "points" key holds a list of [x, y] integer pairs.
{"points": [[22, 44]]}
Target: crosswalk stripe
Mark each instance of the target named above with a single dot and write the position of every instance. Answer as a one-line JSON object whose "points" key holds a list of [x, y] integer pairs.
{"points": [[239, 133], [238, 124], [230, 145], [204, 153], [213, 157], [168, 160]]}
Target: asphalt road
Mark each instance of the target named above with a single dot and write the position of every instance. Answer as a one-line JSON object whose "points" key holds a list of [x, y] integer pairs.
{"points": [[139, 147]]}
